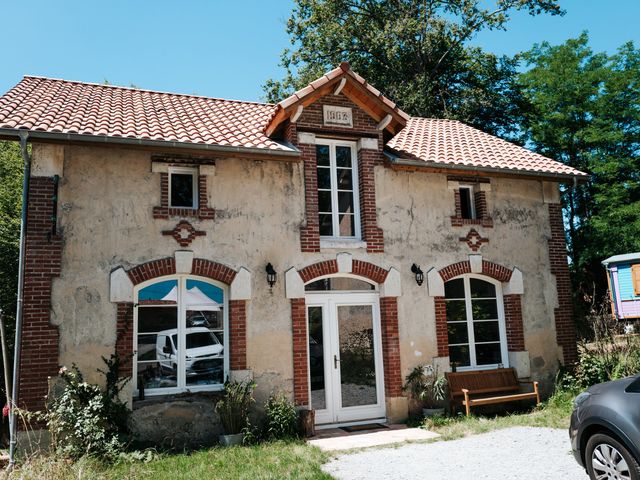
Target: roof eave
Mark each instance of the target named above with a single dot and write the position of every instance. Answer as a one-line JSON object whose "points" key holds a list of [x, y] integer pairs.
{"points": [[13, 133], [560, 177]]}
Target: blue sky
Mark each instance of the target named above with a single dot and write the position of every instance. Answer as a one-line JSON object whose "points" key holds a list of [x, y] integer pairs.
{"points": [[224, 48]]}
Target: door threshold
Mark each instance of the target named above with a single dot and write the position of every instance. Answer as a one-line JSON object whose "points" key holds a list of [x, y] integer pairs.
{"points": [[326, 426]]}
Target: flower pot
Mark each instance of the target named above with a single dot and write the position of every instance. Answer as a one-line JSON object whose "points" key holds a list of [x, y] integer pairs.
{"points": [[231, 440], [431, 412]]}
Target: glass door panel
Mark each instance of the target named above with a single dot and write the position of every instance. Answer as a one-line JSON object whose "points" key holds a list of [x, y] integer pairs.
{"points": [[357, 355], [316, 358]]}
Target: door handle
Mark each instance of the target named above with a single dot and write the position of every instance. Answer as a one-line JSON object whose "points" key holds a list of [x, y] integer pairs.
{"points": [[335, 361]]}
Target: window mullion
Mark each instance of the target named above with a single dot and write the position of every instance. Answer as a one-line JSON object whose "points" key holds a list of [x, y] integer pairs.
{"points": [[469, 310], [334, 191], [181, 320]]}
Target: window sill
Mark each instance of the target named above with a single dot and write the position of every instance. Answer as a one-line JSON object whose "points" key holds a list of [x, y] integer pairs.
{"points": [[203, 213], [342, 243], [174, 397], [460, 222]]}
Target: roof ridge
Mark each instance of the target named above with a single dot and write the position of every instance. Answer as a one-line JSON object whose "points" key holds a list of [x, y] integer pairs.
{"points": [[135, 89]]}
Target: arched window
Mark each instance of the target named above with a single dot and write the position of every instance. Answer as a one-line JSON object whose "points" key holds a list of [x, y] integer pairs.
{"points": [[475, 323], [180, 335]]}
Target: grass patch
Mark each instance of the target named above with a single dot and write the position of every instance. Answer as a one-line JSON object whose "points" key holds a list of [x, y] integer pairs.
{"points": [[266, 461], [554, 413]]}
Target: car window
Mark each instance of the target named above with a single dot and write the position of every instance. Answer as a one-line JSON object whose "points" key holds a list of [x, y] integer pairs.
{"points": [[200, 339], [634, 387]]}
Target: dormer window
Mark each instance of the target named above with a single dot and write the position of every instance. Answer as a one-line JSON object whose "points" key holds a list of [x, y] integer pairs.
{"points": [[467, 202], [183, 187], [338, 202]]}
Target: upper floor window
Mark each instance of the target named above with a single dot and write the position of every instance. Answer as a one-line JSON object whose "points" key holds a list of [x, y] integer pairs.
{"points": [[183, 187], [180, 326], [475, 323], [338, 205], [467, 202]]}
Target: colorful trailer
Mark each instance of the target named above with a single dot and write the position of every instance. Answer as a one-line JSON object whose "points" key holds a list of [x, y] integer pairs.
{"points": [[623, 275]]}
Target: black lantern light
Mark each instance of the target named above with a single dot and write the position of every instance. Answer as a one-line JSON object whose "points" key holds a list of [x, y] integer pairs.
{"points": [[415, 269], [271, 275]]}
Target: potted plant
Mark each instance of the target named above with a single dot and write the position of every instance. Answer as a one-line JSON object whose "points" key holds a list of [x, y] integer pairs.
{"points": [[233, 409], [428, 388]]}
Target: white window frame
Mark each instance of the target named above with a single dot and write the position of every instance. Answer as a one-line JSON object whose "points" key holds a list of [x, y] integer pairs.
{"points": [[472, 200], [181, 386], [335, 214], [193, 171], [504, 350]]}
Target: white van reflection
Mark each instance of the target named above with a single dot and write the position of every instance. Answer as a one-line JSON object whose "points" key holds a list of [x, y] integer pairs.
{"points": [[202, 356]]}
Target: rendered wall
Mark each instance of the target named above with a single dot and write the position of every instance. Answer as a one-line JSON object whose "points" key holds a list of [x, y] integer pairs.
{"points": [[106, 199]]}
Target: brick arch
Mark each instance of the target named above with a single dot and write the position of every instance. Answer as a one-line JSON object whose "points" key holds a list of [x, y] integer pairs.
{"points": [[388, 319], [200, 267], [490, 269], [167, 266], [329, 267], [512, 305]]}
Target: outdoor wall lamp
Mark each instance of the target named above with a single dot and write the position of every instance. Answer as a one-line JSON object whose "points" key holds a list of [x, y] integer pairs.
{"points": [[415, 269], [271, 275]]}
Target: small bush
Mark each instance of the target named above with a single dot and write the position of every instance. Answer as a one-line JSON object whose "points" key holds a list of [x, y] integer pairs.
{"points": [[233, 407], [85, 419], [281, 418]]}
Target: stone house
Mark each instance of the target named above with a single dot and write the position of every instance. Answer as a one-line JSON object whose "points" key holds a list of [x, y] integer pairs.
{"points": [[323, 246]]}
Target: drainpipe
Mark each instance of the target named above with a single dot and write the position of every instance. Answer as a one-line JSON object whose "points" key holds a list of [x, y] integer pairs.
{"points": [[13, 401]]}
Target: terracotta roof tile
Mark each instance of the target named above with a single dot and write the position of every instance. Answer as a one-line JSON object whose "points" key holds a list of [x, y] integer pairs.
{"points": [[60, 106], [454, 143]]}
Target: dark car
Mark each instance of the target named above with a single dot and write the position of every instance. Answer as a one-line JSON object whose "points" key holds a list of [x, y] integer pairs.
{"points": [[605, 430]]}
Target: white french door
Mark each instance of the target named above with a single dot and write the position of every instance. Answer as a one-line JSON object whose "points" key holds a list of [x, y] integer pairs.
{"points": [[345, 357]]}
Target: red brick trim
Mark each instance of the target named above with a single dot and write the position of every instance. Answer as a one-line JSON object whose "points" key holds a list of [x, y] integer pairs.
{"points": [[565, 327], [482, 212], [310, 234], [371, 233], [237, 334], [213, 270], [474, 240], [186, 227], [153, 269], [490, 269], [124, 338], [442, 333], [513, 310], [202, 268], [328, 267], [319, 269], [39, 343], [455, 270], [513, 321], [369, 270], [391, 346], [203, 212], [300, 354]]}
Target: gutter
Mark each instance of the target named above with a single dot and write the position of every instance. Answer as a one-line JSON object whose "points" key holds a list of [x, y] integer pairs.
{"points": [[13, 401], [394, 159], [109, 140]]}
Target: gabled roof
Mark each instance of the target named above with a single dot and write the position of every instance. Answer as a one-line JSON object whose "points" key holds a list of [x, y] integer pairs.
{"points": [[65, 111], [624, 258], [434, 142], [351, 85], [83, 111]]}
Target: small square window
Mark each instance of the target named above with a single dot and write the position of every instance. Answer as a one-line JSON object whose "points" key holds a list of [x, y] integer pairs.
{"points": [[183, 187], [467, 207]]}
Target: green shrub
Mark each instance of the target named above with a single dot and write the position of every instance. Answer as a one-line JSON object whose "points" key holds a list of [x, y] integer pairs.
{"points": [[85, 419], [281, 418]]}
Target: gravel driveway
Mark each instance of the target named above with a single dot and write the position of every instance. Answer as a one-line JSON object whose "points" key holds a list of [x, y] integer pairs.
{"points": [[519, 453]]}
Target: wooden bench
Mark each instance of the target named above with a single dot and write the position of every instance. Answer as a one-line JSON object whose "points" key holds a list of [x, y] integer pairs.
{"points": [[486, 387]]}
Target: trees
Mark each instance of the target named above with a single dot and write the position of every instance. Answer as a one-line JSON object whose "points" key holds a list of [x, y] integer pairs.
{"points": [[584, 110], [415, 51], [10, 206]]}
